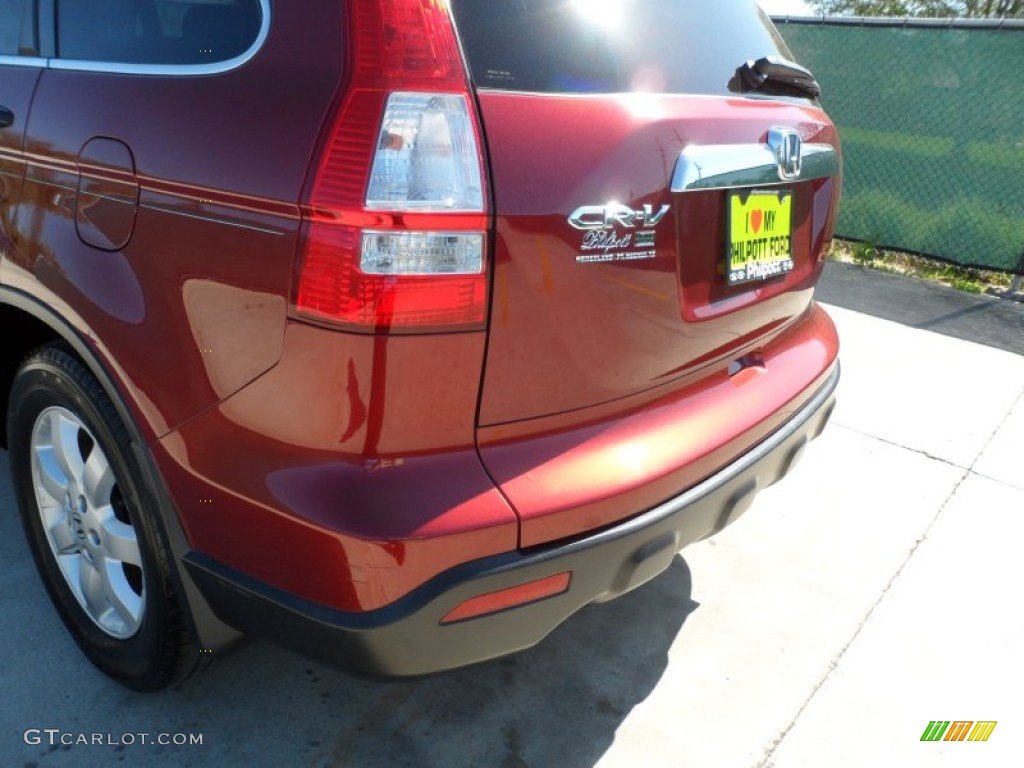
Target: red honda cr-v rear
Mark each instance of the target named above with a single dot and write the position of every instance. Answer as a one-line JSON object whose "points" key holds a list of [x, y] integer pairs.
{"points": [[410, 327]]}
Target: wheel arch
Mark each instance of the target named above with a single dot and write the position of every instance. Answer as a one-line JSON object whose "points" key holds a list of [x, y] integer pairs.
{"points": [[30, 324]]}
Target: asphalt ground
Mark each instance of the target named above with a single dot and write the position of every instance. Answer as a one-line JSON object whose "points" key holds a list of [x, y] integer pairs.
{"points": [[872, 591], [980, 318]]}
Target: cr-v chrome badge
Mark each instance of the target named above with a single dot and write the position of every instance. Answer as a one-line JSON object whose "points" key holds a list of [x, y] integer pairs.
{"points": [[615, 215], [605, 239]]}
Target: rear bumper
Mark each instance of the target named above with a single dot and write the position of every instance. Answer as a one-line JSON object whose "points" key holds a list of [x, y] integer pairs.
{"points": [[407, 638]]}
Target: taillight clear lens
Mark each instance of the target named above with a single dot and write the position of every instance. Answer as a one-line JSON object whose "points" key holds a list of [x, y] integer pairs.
{"points": [[422, 253], [427, 157], [335, 286]]}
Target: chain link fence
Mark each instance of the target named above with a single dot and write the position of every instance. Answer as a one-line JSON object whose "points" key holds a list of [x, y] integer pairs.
{"points": [[931, 115]]}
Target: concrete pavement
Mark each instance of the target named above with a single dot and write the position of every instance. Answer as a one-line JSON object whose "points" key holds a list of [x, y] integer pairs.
{"points": [[873, 590]]}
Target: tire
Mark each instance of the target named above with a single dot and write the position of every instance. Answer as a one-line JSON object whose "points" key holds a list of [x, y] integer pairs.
{"points": [[91, 523]]}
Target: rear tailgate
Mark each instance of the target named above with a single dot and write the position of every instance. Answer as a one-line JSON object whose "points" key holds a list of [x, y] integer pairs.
{"points": [[623, 173], [580, 317]]}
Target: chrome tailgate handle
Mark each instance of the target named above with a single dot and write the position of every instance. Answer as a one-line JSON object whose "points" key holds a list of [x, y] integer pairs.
{"points": [[784, 159]]}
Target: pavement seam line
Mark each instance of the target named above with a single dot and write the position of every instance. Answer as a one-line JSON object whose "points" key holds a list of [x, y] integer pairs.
{"points": [[766, 760], [997, 480], [999, 426], [918, 451]]}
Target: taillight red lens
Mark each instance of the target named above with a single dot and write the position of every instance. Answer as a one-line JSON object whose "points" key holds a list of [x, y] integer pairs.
{"points": [[395, 223], [409, 42]]}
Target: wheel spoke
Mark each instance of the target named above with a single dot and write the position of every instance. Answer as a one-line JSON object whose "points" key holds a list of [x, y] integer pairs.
{"points": [[57, 528], [98, 479], [119, 595], [72, 567], [119, 539], [64, 438], [51, 476], [92, 589]]}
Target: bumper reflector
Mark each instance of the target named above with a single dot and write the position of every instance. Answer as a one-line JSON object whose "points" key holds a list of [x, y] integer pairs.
{"points": [[512, 597]]}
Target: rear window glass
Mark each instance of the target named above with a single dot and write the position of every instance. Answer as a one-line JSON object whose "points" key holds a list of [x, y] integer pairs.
{"points": [[16, 36], [612, 46], [156, 31]]}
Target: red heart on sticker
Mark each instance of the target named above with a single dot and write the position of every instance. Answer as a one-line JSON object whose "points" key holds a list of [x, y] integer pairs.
{"points": [[755, 220]]}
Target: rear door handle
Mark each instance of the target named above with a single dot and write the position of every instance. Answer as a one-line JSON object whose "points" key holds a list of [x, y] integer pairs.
{"points": [[6, 117]]}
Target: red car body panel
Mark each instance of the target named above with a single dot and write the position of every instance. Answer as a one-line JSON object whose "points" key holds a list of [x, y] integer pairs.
{"points": [[566, 335], [353, 486], [18, 86], [590, 468], [586, 339]]}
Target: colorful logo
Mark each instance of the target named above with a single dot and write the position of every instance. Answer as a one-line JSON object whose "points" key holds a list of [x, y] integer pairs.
{"points": [[959, 730]]}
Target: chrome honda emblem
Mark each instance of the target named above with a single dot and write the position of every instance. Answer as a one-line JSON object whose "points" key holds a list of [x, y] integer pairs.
{"points": [[788, 148]]}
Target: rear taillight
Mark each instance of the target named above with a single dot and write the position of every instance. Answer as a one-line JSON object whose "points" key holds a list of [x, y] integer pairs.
{"points": [[395, 225]]}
